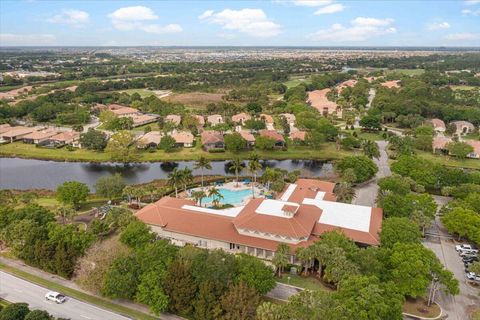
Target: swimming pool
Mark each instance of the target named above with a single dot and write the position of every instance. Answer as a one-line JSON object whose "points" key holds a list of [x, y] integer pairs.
{"points": [[233, 197]]}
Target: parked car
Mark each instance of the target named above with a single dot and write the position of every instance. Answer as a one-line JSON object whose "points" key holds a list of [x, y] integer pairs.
{"points": [[468, 254], [473, 276], [469, 259], [55, 297], [466, 247]]}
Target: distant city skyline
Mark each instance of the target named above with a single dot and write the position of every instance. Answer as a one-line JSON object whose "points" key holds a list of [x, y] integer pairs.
{"points": [[240, 23]]}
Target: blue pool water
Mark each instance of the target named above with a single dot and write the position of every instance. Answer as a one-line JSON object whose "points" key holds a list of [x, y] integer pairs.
{"points": [[233, 197]]}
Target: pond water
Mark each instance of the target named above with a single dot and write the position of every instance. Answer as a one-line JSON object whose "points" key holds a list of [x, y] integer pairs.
{"points": [[16, 173]]}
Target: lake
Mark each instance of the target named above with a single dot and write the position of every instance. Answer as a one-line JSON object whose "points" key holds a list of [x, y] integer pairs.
{"points": [[16, 173]]}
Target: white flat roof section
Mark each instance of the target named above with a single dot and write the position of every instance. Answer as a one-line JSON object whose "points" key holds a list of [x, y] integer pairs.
{"points": [[274, 208], [230, 212], [343, 215], [320, 195], [288, 192]]}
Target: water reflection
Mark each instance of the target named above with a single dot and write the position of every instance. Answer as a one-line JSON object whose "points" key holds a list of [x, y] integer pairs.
{"points": [[18, 173]]}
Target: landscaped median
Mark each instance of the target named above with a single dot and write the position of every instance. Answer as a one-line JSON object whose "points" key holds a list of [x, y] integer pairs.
{"points": [[94, 300]]}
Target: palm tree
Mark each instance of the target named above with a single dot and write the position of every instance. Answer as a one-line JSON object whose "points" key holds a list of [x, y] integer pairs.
{"points": [[236, 165], [253, 167], [203, 163], [321, 252], [305, 256], [280, 259], [215, 194], [66, 212], [268, 176], [198, 196], [370, 149], [187, 177], [174, 179], [344, 192], [151, 190], [129, 192]]}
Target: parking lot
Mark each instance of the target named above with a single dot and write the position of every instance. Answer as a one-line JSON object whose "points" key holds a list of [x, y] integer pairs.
{"points": [[457, 307]]}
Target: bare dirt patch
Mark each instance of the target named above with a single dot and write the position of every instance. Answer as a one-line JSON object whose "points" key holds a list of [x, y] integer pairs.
{"points": [[195, 99]]}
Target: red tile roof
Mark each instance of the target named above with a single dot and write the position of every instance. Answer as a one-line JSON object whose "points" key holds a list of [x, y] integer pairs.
{"points": [[209, 137], [272, 134]]}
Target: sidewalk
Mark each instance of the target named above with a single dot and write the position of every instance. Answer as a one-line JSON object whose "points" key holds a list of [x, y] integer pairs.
{"points": [[19, 265]]}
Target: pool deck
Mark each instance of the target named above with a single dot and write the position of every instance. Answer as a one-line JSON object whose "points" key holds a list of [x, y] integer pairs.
{"points": [[232, 186]]}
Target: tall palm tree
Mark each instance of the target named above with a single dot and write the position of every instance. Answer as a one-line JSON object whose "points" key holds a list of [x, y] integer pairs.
{"points": [[305, 255], [236, 165], [253, 167], [344, 192], [174, 179], [202, 163], [198, 196], [187, 177], [215, 194]]}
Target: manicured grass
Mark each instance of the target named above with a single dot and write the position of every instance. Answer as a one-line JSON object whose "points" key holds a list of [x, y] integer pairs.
{"points": [[4, 303], [450, 161], [419, 307], [407, 72], [366, 135], [309, 283], [464, 88], [293, 82], [22, 150], [103, 303], [153, 126]]}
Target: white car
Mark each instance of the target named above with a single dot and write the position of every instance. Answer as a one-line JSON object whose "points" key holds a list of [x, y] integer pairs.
{"points": [[473, 276], [55, 297], [468, 253], [465, 247]]}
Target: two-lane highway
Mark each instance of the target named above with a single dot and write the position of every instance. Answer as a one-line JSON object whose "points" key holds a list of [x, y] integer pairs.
{"points": [[14, 289]]}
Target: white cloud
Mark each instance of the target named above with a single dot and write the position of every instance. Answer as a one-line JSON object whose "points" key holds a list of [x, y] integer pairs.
{"points": [[471, 2], [137, 17], [253, 22], [438, 26], [468, 12], [72, 17], [311, 3], [333, 8], [361, 29], [463, 36], [10, 39]]}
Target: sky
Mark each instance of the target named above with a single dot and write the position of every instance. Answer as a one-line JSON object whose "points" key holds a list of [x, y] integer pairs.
{"points": [[240, 23]]}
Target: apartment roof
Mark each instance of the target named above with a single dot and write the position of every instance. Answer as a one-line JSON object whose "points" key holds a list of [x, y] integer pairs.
{"points": [[183, 137], [438, 123], [176, 119], [5, 127], [318, 99], [17, 131], [143, 118], [267, 118], [475, 145], [200, 120], [290, 117], [66, 136], [151, 137], [214, 118], [391, 84], [440, 142], [461, 124], [266, 216], [120, 110], [211, 136], [272, 134], [42, 134], [298, 135], [304, 211], [241, 117], [247, 136]]}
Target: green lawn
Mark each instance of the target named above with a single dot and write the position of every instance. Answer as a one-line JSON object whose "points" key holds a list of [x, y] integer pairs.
{"points": [[154, 126], [464, 88], [309, 283], [22, 150], [295, 81], [407, 72], [100, 302], [419, 308], [366, 135], [450, 161]]}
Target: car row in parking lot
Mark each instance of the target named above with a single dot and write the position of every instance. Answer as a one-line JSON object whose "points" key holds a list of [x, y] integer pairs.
{"points": [[469, 255]]}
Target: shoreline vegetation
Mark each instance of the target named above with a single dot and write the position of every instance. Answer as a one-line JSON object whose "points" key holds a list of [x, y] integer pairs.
{"points": [[327, 152]]}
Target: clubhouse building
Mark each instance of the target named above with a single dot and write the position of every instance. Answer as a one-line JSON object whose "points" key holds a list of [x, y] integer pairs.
{"points": [[297, 217]]}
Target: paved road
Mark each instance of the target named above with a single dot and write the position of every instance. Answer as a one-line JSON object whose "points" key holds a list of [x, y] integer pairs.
{"points": [[14, 289], [458, 306], [366, 195]]}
